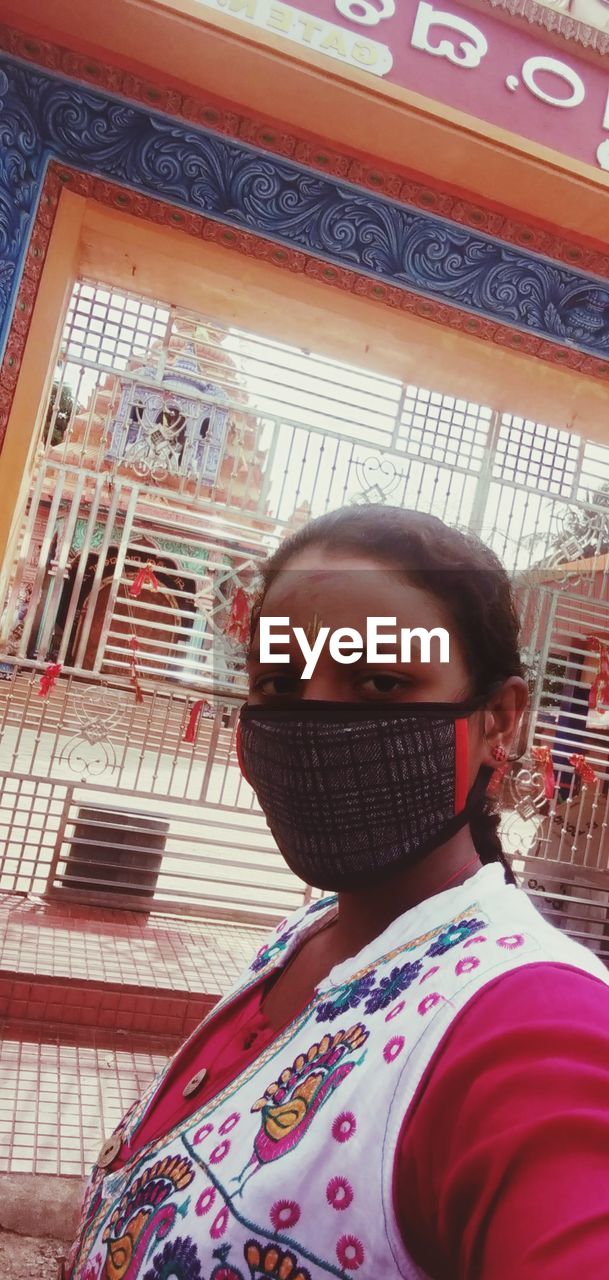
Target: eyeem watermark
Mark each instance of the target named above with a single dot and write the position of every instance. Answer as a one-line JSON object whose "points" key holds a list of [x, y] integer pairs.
{"points": [[347, 645]]}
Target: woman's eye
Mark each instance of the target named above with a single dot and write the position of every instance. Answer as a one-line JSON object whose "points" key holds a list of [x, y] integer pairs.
{"points": [[277, 686], [384, 684]]}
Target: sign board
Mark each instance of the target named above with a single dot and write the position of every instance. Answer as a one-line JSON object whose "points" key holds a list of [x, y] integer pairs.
{"points": [[477, 63]]}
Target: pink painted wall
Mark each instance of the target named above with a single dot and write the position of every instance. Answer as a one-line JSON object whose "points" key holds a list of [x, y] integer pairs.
{"points": [[483, 90]]}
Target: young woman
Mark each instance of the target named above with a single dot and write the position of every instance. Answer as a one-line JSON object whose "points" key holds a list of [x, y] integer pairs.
{"points": [[412, 1077]]}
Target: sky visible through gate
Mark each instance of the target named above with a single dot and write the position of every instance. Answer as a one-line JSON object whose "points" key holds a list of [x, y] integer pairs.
{"points": [[312, 391]]}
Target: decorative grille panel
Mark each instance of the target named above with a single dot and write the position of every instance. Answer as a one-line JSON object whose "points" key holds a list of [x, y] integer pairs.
{"points": [[534, 456], [442, 429]]}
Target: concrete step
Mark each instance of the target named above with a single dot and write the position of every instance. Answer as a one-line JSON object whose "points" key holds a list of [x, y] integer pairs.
{"points": [[33, 998], [38, 1212]]}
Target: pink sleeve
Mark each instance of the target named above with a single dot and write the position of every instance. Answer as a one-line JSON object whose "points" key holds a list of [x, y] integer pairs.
{"points": [[503, 1164]]}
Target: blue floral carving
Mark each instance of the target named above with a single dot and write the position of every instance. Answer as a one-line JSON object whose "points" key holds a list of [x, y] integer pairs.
{"points": [[453, 935], [393, 985], [347, 997], [44, 116]]}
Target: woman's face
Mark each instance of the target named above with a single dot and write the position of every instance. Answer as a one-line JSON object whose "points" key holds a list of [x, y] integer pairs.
{"points": [[318, 588]]}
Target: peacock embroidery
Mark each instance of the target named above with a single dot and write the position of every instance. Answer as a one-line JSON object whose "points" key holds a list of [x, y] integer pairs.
{"points": [[143, 1216], [290, 1103]]}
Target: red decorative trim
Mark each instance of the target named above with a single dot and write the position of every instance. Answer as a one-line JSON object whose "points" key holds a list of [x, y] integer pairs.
{"points": [[399, 184]]}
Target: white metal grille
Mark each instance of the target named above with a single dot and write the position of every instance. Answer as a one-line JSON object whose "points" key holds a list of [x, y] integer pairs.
{"points": [[536, 456], [439, 428], [110, 328]]}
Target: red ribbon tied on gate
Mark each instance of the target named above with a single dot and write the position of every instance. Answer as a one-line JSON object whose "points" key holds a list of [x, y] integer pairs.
{"points": [[543, 757], [133, 671], [48, 679], [193, 720], [146, 577], [584, 771], [599, 692], [238, 625]]}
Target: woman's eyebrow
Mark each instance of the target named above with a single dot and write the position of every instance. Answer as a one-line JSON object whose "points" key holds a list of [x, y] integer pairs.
{"points": [[253, 659]]}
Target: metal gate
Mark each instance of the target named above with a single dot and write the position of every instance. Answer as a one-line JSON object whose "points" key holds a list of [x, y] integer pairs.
{"points": [[173, 455]]}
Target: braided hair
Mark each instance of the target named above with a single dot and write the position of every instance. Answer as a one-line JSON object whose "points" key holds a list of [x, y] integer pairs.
{"points": [[459, 570]]}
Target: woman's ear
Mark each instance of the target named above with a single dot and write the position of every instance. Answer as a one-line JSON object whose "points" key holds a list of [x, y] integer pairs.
{"points": [[502, 716]]}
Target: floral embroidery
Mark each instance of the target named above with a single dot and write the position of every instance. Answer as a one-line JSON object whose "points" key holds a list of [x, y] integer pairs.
{"points": [[435, 968], [393, 985], [321, 903], [178, 1260], [219, 1224], [454, 934], [397, 1008], [220, 1152], [466, 965], [339, 1193], [350, 1252], [271, 950], [202, 1133], [284, 1213], [291, 1102], [393, 1048], [472, 942], [510, 943], [344, 1126], [348, 997], [229, 1123], [267, 1262], [205, 1201], [430, 1002]]}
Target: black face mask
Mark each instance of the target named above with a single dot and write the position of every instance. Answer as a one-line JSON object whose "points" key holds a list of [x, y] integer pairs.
{"points": [[352, 791]]}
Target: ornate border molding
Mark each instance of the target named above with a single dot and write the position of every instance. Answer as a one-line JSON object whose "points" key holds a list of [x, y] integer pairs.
{"points": [[217, 186], [553, 20], [399, 185]]}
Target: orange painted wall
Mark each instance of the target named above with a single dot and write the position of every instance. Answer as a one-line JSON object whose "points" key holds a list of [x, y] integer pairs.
{"points": [[36, 372]]}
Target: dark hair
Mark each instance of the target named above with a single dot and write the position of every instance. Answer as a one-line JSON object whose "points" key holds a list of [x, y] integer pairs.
{"points": [[454, 566]]}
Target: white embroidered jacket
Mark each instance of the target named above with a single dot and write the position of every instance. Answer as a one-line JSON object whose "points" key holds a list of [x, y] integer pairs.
{"points": [[287, 1173]]}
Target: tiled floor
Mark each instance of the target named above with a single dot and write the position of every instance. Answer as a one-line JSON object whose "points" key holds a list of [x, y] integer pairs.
{"points": [[58, 1101], [79, 987], [117, 946]]}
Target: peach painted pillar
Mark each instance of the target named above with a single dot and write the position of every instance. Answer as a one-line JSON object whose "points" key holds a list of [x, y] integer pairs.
{"points": [[36, 372]]}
